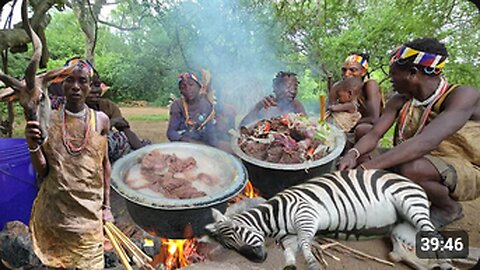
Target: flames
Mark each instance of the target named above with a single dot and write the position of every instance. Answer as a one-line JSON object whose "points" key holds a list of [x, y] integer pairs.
{"points": [[249, 191], [175, 256], [178, 253]]}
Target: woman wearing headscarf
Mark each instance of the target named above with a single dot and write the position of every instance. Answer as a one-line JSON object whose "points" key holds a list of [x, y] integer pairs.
{"points": [[370, 99], [74, 173], [192, 116]]}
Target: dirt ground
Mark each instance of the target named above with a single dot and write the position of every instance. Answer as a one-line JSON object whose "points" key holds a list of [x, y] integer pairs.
{"points": [[156, 131]]}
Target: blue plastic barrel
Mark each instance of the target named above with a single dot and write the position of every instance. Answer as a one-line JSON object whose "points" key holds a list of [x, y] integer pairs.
{"points": [[17, 181]]}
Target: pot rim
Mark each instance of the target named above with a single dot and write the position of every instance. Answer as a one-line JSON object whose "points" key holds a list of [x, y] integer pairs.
{"points": [[340, 141], [126, 162]]}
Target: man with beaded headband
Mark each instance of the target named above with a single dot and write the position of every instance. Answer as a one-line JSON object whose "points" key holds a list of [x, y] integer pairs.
{"points": [[436, 141], [74, 173]]}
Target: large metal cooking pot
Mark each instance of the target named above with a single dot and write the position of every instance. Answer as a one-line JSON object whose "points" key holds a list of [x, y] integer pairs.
{"points": [[178, 218], [270, 178]]}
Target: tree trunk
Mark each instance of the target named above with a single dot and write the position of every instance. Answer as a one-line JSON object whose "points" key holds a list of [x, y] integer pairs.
{"points": [[84, 9], [17, 37]]}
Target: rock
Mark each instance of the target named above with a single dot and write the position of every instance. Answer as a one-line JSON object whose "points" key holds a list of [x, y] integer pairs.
{"points": [[16, 246], [111, 259]]}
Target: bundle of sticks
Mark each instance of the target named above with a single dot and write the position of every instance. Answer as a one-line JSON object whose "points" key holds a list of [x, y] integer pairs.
{"points": [[320, 246], [121, 243]]}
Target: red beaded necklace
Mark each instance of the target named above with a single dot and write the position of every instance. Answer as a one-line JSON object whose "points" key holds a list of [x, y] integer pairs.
{"points": [[71, 149]]}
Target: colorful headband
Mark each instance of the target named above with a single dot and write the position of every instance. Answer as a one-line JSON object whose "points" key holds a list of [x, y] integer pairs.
{"points": [[186, 75], [70, 65], [83, 64], [428, 60], [355, 58]]}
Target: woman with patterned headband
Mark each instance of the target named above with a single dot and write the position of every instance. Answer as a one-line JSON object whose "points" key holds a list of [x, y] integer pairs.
{"points": [[74, 175], [436, 142], [192, 116], [370, 100]]}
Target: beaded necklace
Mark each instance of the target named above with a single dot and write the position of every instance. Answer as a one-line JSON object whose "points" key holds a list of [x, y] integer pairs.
{"points": [[71, 149], [190, 123], [442, 87]]}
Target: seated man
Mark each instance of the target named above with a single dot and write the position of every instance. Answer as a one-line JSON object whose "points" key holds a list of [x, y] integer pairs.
{"points": [[122, 141], [344, 112], [436, 142], [285, 89]]}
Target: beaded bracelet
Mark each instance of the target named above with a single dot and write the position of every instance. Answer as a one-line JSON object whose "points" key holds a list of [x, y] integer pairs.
{"points": [[106, 207]]}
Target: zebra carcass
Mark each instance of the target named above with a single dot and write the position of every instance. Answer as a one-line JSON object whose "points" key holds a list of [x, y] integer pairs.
{"points": [[355, 202]]}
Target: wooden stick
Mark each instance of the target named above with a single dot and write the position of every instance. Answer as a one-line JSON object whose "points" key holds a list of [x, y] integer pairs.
{"points": [[137, 259], [132, 245], [331, 255], [322, 107], [359, 253], [121, 253], [318, 255], [129, 242], [324, 246]]}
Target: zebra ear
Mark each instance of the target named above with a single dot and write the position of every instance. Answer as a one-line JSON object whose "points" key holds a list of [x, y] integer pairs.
{"points": [[211, 229], [217, 215]]}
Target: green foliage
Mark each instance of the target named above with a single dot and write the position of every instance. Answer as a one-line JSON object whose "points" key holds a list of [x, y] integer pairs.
{"points": [[244, 43], [327, 31], [65, 38]]}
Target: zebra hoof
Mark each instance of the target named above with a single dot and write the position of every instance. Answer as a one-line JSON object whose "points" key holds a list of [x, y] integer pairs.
{"points": [[394, 257], [290, 267]]}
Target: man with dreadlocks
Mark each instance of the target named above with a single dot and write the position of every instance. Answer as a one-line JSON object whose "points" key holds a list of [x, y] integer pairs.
{"points": [[285, 89], [436, 140]]}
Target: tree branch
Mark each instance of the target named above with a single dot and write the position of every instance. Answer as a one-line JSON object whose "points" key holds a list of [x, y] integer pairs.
{"points": [[92, 52], [17, 36], [124, 28]]}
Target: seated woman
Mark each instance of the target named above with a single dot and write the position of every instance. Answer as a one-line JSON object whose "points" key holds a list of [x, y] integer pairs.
{"points": [[192, 115], [122, 141], [285, 89], [344, 113], [370, 99]]}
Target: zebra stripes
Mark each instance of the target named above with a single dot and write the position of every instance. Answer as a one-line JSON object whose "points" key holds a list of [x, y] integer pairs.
{"points": [[355, 202]]}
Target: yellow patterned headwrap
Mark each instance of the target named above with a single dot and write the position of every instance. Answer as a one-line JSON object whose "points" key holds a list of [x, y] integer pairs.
{"points": [[358, 59], [428, 60]]}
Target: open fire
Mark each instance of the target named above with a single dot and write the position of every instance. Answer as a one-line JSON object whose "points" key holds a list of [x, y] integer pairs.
{"points": [[178, 253], [248, 192]]}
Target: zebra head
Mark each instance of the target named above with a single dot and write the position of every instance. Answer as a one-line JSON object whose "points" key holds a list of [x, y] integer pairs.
{"points": [[247, 241]]}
